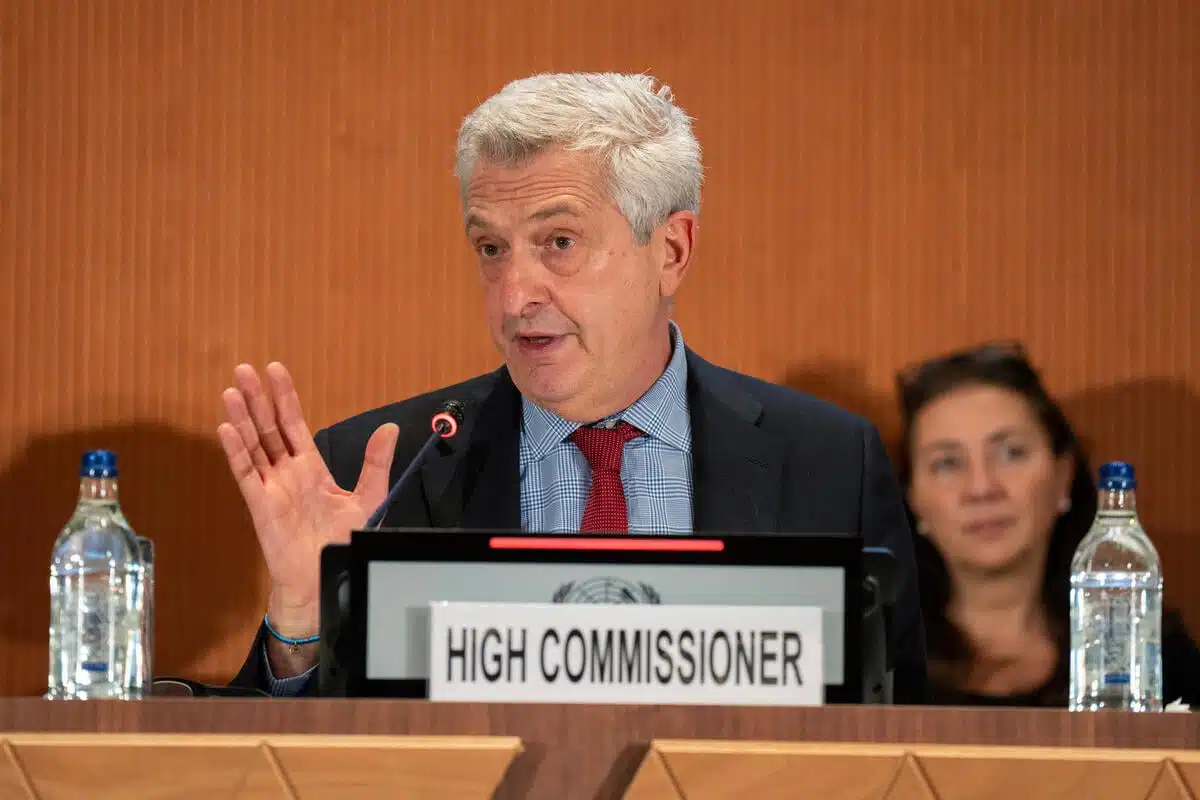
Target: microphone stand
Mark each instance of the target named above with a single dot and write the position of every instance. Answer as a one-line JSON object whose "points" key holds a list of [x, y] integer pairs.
{"points": [[439, 432]]}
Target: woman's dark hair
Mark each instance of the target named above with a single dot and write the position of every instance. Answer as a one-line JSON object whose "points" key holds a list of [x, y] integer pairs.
{"points": [[1002, 365]]}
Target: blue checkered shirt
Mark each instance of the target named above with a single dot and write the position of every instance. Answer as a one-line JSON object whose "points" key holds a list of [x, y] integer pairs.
{"points": [[656, 471]]}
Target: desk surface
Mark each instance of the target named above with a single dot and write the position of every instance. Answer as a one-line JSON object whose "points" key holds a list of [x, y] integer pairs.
{"points": [[594, 751]]}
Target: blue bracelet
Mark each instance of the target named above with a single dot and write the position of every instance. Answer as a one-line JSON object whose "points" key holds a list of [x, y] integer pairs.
{"points": [[293, 644]]}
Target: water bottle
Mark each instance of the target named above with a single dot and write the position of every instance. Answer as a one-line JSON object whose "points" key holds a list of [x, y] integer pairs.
{"points": [[1116, 605], [96, 602]]}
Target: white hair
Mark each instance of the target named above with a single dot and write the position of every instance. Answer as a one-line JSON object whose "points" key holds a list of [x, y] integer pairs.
{"points": [[643, 139]]}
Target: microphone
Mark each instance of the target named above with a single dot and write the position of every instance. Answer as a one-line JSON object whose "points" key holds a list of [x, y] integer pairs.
{"points": [[445, 425]]}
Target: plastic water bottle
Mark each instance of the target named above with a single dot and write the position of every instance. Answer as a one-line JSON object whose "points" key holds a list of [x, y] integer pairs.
{"points": [[1116, 605], [96, 601]]}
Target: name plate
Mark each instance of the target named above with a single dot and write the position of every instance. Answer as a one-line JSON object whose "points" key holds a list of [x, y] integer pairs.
{"points": [[626, 654]]}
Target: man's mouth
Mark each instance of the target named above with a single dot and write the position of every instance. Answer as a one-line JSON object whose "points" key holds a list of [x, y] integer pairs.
{"points": [[538, 343]]}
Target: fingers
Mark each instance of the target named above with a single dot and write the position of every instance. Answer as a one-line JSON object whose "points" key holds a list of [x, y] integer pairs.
{"points": [[287, 405], [242, 466], [377, 464], [239, 419], [262, 413]]}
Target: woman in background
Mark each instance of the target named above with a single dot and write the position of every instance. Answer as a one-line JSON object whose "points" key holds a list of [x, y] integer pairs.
{"points": [[1001, 495]]}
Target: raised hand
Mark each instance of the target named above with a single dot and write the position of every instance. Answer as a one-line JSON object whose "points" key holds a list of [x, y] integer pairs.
{"points": [[296, 506]]}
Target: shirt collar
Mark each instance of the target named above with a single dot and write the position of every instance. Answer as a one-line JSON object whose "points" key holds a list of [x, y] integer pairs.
{"points": [[661, 413]]}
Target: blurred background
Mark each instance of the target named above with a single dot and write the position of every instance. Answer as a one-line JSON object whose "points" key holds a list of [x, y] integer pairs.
{"points": [[185, 185]]}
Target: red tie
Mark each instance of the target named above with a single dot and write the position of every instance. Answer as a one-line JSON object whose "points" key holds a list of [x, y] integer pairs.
{"points": [[603, 447]]}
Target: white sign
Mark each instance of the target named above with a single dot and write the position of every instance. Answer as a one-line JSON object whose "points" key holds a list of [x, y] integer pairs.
{"points": [[626, 654]]}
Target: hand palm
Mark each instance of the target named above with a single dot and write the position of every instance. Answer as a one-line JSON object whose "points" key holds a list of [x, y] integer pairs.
{"points": [[296, 505], [305, 510]]}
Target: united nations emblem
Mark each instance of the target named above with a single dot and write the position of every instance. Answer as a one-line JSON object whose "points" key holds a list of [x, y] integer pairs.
{"points": [[607, 590]]}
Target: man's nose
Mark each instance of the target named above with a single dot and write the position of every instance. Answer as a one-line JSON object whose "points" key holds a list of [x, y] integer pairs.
{"points": [[522, 284]]}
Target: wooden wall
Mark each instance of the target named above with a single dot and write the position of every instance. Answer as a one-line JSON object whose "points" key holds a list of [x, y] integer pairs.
{"points": [[184, 185]]}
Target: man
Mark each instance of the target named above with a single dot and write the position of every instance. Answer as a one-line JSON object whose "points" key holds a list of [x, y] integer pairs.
{"points": [[580, 196]]}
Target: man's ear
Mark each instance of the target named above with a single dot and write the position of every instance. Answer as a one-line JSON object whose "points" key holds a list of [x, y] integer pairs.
{"points": [[675, 241]]}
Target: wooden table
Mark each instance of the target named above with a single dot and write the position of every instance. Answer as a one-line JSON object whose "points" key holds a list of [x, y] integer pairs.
{"points": [[317, 748]]}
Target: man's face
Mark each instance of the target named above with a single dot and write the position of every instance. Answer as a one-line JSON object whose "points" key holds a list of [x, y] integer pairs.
{"points": [[578, 309]]}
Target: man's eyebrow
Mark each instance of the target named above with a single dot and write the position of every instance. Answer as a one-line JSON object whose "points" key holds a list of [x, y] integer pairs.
{"points": [[475, 221]]}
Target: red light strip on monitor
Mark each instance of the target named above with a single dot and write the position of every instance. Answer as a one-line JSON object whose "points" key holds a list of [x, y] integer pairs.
{"points": [[669, 545]]}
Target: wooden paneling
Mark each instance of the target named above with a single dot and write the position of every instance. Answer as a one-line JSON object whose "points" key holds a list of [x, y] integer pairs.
{"points": [[702, 770], [587, 751], [184, 185], [114, 766]]}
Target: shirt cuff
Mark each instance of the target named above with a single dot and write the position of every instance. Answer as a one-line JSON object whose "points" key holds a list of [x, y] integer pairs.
{"points": [[285, 687]]}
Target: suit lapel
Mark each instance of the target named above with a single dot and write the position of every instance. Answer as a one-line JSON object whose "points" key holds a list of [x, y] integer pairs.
{"points": [[473, 481], [737, 469]]}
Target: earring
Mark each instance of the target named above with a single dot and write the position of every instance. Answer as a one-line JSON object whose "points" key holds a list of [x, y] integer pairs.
{"points": [[922, 528], [1064, 505]]}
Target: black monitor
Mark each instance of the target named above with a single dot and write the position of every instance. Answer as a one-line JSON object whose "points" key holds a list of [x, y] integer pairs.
{"points": [[386, 575]]}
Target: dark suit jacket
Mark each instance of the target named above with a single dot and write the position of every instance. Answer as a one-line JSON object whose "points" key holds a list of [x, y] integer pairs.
{"points": [[766, 459]]}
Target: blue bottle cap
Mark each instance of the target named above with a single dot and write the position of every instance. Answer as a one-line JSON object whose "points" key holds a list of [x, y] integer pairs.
{"points": [[1117, 476], [98, 464]]}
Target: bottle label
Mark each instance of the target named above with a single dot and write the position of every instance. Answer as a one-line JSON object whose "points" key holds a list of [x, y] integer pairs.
{"points": [[1117, 633]]}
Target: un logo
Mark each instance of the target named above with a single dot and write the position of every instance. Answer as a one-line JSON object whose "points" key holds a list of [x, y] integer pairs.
{"points": [[607, 590]]}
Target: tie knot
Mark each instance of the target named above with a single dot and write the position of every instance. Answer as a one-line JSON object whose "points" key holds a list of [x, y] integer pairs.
{"points": [[603, 447]]}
